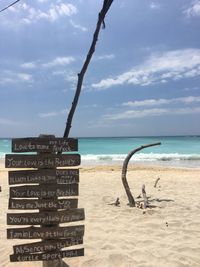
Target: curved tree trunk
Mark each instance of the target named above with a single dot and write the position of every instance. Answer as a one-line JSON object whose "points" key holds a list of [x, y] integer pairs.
{"points": [[124, 171]]}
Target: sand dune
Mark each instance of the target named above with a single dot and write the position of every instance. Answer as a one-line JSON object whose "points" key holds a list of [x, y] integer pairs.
{"points": [[166, 235]]}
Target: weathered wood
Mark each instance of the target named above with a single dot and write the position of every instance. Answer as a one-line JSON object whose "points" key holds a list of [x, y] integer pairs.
{"points": [[45, 232], [124, 171], [42, 160], [45, 218], [38, 144], [156, 182], [31, 204], [116, 203], [45, 246], [50, 256], [101, 17], [43, 191], [144, 197], [59, 176]]}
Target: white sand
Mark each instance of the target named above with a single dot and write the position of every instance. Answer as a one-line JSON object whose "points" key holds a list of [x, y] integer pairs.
{"points": [[167, 235]]}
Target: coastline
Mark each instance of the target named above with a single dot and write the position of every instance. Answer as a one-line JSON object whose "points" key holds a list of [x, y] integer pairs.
{"points": [[166, 235]]}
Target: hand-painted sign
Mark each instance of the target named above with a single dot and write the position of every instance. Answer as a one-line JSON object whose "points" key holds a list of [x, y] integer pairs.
{"points": [[42, 160], [49, 256], [45, 246], [45, 218], [45, 232], [38, 144], [43, 191], [59, 176], [31, 204], [46, 189]]}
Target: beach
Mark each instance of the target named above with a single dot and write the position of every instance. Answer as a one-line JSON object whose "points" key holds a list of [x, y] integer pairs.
{"points": [[167, 234]]}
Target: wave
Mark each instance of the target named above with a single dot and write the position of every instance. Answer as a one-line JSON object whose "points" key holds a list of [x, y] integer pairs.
{"points": [[137, 157], [142, 157]]}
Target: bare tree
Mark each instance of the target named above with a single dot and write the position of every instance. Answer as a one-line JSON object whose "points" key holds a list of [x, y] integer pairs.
{"points": [[100, 22]]}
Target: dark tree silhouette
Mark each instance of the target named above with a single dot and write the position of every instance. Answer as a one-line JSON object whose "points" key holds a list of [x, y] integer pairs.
{"points": [[102, 14], [12, 4]]}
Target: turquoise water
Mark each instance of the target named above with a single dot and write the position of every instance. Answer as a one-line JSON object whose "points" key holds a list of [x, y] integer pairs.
{"points": [[179, 151]]}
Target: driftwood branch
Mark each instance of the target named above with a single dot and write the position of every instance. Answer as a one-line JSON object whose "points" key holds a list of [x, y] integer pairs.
{"points": [[116, 203], [144, 197], [124, 171], [102, 14], [9, 6], [156, 182]]}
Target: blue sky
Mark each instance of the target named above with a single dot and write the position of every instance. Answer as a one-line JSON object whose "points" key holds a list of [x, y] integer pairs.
{"points": [[143, 79]]}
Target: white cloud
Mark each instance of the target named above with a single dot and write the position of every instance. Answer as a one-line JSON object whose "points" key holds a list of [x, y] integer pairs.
{"points": [[71, 77], [7, 77], [53, 113], [68, 76], [131, 114], [158, 68], [91, 106], [162, 101], [154, 5], [28, 65], [27, 14], [193, 10], [109, 56], [59, 61], [48, 114], [56, 62], [78, 26], [24, 77]]}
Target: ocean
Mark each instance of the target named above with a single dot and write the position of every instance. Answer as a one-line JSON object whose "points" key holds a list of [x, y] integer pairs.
{"points": [[178, 151]]}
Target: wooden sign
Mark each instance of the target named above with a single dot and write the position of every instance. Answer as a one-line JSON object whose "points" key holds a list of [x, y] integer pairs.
{"points": [[59, 176], [49, 256], [42, 160], [38, 144], [31, 204], [45, 232], [43, 191], [45, 246], [45, 218]]}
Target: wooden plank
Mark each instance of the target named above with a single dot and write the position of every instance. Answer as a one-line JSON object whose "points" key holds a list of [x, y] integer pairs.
{"points": [[43, 191], [31, 204], [42, 160], [46, 218], [50, 256], [45, 232], [59, 176], [38, 144], [45, 246]]}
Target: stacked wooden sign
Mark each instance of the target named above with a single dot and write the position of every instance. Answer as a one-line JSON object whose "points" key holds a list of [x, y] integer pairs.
{"points": [[49, 190]]}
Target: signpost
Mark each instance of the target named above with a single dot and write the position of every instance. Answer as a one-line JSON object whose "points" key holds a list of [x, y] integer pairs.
{"points": [[51, 196], [34, 204], [59, 176]]}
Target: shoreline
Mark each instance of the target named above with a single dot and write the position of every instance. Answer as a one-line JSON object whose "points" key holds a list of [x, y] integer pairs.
{"points": [[117, 165]]}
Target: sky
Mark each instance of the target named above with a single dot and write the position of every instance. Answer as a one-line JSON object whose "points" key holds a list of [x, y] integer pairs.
{"points": [[143, 80]]}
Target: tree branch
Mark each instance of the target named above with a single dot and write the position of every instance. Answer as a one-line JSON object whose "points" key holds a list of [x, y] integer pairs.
{"points": [[102, 14], [9, 6]]}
